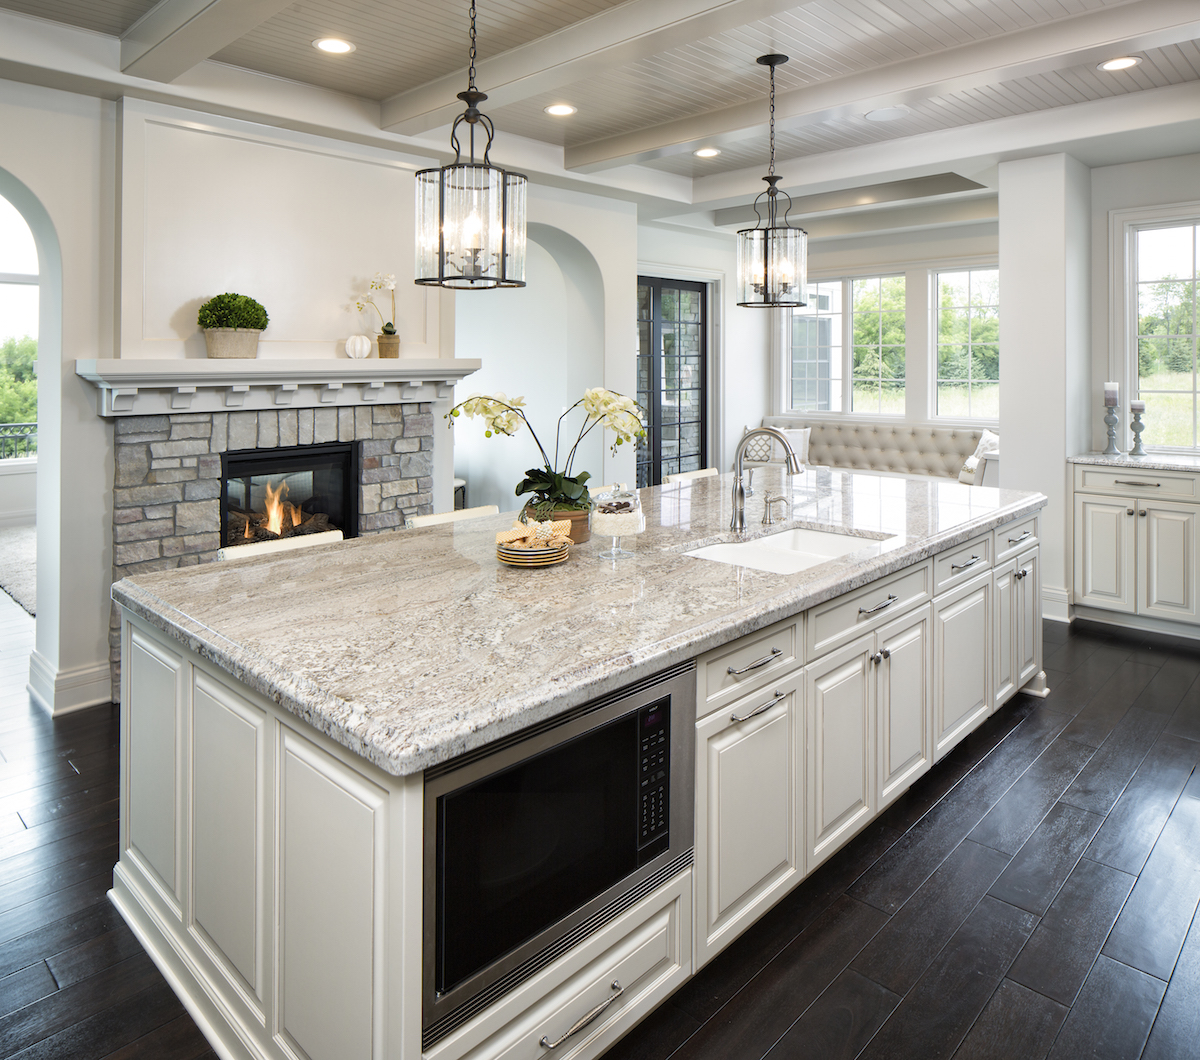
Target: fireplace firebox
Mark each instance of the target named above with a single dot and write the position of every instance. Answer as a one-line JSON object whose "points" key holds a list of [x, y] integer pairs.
{"points": [[269, 494]]}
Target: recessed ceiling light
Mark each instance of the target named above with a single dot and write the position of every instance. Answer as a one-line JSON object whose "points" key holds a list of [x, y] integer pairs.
{"points": [[1123, 62], [707, 152], [887, 113], [560, 110], [333, 45]]}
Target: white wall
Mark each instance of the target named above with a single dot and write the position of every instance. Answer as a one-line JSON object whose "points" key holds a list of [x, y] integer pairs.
{"points": [[57, 166], [1159, 182], [1045, 336], [18, 491], [740, 355], [572, 327]]}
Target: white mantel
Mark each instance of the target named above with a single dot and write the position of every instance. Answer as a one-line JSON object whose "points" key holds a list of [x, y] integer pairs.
{"points": [[149, 387]]}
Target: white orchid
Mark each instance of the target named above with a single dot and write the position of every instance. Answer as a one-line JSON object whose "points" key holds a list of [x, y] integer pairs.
{"points": [[380, 282]]}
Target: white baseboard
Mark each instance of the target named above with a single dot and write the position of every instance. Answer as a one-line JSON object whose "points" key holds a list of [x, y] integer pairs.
{"points": [[1056, 603], [1138, 622], [64, 691], [19, 517]]}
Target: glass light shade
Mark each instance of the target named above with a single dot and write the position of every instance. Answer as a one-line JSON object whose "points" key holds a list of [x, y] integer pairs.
{"points": [[772, 266], [470, 227]]}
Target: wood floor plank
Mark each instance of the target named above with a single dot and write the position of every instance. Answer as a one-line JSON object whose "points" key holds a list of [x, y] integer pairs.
{"points": [[1095, 721], [20, 988], [56, 829], [1108, 772], [66, 805], [1176, 1030], [1018, 1022], [1185, 720], [760, 1014], [1044, 862], [1134, 824], [1078, 650], [179, 1039], [932, 1021], [658, 1036], [1064, 946], [57, 936], [98, 837], [64, 903], [65, 874], [839, 1023], [49, 793], [902, 950], [1149, 933], [1112, 1017], [1172, 682], [94, 955], [1015, 817]]}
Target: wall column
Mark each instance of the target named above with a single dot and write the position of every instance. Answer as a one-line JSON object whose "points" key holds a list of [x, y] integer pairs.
{"points": [[1045, 207]]}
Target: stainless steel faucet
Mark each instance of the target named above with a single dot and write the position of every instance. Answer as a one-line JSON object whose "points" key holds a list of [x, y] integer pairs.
{"points": [[738, 520]]}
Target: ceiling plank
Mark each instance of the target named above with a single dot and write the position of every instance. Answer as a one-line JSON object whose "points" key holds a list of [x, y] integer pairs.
{"points": [[623, 34], [1060, 45], [175, 35]]}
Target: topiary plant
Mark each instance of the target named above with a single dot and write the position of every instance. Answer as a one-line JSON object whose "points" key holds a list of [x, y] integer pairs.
{"points": [[232, 311]]}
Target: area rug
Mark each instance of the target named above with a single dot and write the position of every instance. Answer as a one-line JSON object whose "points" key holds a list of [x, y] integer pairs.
{"points": [[18, 565]]}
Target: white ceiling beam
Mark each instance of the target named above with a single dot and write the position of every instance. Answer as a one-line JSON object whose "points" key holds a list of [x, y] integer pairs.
{"points": [[621, 35], [175, 35], [1082, 39]]}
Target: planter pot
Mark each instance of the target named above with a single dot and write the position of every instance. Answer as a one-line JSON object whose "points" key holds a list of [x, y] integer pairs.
{"points": [[580, 530], [232, 342], [389, 345]]}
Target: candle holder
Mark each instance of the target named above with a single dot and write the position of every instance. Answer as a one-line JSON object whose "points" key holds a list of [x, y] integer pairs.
{"points": [[1110, 420], [1137, 426]]}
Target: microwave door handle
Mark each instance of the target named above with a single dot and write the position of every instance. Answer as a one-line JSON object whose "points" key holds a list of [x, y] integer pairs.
{"points": [[584, 1020]]}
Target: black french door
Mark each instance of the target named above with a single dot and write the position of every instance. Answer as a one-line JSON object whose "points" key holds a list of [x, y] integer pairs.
{"points": [[672, 339]]}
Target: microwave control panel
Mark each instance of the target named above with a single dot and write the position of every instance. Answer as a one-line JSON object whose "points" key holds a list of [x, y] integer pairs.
{"points": [[654, 774]]}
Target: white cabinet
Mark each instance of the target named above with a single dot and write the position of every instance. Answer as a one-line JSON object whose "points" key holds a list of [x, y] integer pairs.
{"points": [[1027, 638], [749, 810], [903, 664], [1136, 545], [962, 660], [1004, 654]]}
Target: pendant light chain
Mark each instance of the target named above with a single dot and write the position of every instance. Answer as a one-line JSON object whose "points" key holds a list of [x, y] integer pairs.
{"points": [[471, 68], [771, 166]]}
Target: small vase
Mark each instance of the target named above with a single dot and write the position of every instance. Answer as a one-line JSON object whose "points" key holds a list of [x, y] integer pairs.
{"points": [[580, 531], [231, 343], [389, 345]]}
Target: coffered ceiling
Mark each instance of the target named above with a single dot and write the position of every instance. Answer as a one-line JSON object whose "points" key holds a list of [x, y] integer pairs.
{"points": [[653, 80]]}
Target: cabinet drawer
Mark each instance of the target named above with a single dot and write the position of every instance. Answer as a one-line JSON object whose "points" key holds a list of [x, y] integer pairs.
{"points": [[649, 956], [1169, 485], [959, 564], [840, 620], [1015, 537], [760, 657]]}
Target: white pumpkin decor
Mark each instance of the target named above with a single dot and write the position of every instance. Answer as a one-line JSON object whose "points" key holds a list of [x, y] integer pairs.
{"points": [[358, 347]]}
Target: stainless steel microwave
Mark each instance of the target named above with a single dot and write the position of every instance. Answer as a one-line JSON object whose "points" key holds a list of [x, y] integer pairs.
{"points": [[533, 843]]}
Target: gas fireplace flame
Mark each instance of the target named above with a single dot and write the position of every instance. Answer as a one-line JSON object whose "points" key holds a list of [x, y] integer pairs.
{"points": [[275, 508]]}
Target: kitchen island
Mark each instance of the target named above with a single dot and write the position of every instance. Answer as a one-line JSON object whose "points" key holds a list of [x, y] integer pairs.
{"points": [[279, 715]]}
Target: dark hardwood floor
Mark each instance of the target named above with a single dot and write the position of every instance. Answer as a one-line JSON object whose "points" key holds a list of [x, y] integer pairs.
{"points": [[1034, 896]]}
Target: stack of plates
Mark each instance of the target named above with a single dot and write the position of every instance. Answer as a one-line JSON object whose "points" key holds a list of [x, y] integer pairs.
{"points": [[532, 557]]}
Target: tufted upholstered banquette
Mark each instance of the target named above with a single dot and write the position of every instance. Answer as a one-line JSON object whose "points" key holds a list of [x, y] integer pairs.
{"points": [[900, 448]]}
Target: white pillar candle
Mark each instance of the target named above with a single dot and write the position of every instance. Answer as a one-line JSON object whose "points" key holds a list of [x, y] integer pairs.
{"points": [[1110, 394], [1137, 406]]}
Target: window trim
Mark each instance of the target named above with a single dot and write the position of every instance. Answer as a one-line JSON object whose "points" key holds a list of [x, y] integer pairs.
{"points": [[1123, 226], [921, 331]]}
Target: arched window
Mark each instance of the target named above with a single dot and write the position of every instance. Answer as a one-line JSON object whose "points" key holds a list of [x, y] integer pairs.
{"points": [[18, 335]]}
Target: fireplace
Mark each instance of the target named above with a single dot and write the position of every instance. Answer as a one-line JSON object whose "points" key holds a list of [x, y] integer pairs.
{"points": [[270, 494]]}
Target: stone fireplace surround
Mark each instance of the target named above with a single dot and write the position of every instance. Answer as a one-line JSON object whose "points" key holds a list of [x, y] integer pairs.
{"points": [[173, 420]]}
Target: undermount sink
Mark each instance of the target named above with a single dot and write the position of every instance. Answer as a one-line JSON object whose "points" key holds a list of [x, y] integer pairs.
{"points": [[789, 551]]}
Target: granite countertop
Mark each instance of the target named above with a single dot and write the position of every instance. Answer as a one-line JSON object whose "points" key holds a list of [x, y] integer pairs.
{"points": [[414, 646], [1152, 462]]}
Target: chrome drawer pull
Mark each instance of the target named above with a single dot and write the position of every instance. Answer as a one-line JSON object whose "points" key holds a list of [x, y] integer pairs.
{"points": [[1135, 482], [1018, 540], [617, 990], [879, 607], [755, 713], [757, 663], [963, 566]]}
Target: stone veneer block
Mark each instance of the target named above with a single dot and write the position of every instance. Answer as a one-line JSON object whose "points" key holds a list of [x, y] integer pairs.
{"points": [[268, 429], [346, 424], [219, 439], [325, 425], [289, 428], [304, 420], [243, 430]]}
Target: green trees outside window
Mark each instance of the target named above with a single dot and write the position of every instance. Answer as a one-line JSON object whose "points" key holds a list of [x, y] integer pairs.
{"points": [[968, 344], [877, 365], [1165, 291], [18, 381]]}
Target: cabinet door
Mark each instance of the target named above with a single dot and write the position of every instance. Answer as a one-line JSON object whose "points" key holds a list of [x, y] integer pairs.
{"points": [[1167, 548], [841, 747], [1105, 549], [962, 650], [749, 819], [1004, 657], [1028, 613], [903, 703]]}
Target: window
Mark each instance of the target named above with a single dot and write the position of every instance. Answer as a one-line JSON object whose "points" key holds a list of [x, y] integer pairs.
{"points": [[671, 371], [864, 375], [1166, 268], [18, 334], [968, 344]]}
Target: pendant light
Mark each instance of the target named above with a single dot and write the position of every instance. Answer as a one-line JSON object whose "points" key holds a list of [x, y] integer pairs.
{"points": [[471, 215], [772, 260]]}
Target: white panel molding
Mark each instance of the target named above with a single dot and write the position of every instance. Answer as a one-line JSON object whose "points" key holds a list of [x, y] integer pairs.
{"points": [[70, 689], [1056, 605]]}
